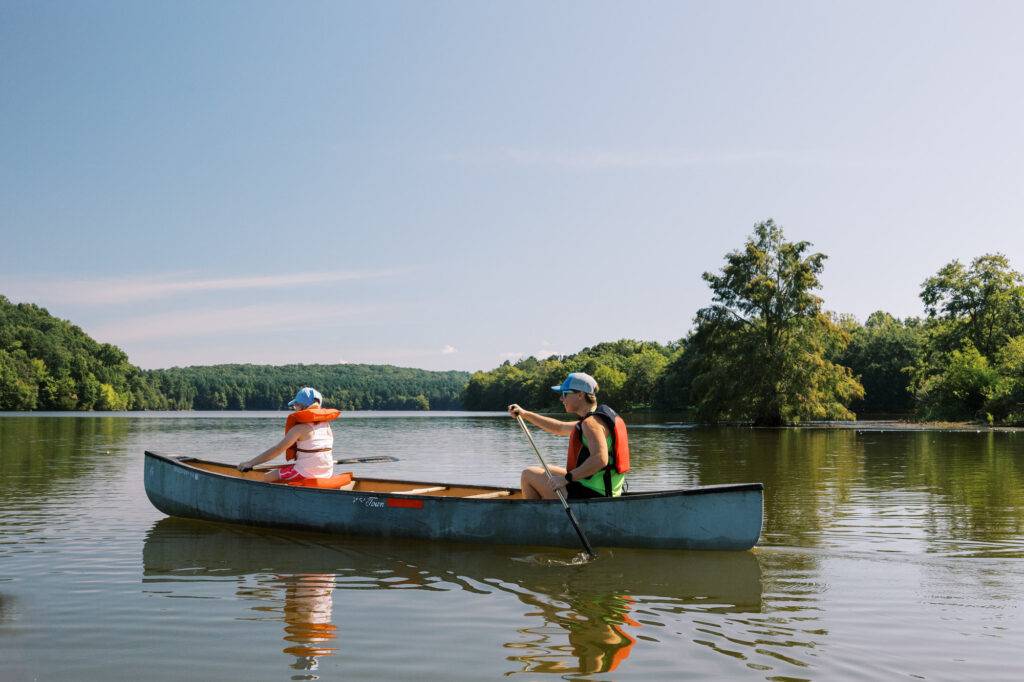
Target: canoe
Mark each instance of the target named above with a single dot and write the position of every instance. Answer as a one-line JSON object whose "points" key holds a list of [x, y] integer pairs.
{"points": [[714, 517]]}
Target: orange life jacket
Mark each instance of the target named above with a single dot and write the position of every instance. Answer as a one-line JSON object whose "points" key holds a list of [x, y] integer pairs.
{"points": [[618, 454], [310, 415]]}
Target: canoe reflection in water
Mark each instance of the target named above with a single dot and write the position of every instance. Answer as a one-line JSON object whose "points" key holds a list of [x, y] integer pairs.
{"points": [[603, 608]]}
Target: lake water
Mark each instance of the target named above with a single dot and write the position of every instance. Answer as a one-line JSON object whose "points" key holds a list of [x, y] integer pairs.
{"points": [[886, 554]]}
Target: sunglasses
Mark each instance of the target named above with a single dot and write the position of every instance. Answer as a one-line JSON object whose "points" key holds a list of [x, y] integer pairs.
{"points": [[565, 393]]}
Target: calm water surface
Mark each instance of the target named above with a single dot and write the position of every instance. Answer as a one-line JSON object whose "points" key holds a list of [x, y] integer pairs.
{"points": [[884, 555]]}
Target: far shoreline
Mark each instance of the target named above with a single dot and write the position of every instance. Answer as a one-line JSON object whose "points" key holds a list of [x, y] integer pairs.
{"points": [[868, 425]]}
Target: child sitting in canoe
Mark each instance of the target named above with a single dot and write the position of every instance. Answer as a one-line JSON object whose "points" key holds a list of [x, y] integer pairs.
{"points": [[598, 456], [308, 442]]}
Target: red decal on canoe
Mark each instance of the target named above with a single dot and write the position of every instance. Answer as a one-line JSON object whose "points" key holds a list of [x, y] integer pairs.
{"points": [[405, 503]]}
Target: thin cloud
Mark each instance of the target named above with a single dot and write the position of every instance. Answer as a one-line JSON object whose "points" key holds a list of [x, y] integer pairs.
{"points": [[213, 322], [121, 290], [542, 354], [598, 160], [449, 349]]}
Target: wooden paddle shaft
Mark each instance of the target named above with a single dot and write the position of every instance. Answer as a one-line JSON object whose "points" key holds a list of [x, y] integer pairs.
{"points": [[565, 505], [350, 460]]}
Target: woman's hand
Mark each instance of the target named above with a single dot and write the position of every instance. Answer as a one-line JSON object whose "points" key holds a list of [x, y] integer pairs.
{"points": [[245, 466], [515, 410]]}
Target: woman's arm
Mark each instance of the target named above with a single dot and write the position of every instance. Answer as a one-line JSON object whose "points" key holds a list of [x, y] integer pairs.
{"points": [[290, 438], [555, 426]]}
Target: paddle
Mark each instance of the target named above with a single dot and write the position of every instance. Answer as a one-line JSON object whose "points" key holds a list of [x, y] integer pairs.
{"points": [[350, 460], [561, 497]]}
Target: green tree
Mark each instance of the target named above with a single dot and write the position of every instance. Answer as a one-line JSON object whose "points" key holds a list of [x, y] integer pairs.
{"points": [[758, 353], [628, 373], [881, 354], [983, 304], [961, 389], [18, 381], [966, 369], [1006, 396], [672, 390]]}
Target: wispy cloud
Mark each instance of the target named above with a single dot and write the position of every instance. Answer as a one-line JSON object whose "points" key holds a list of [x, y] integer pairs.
{"points": [[449, 349], [541, 354], [591, 159], [121, 290], [215, 321], [638, 159]]}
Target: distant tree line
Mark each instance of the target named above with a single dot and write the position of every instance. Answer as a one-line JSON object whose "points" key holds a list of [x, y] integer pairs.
{"points": [[348, 387], [764, 351], [50, 364]]}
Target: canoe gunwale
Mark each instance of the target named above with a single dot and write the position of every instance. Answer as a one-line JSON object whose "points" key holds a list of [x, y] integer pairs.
{"points": [[184, 461], [719, 517]]}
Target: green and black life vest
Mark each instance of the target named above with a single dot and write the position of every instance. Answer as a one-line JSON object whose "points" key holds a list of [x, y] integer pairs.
{"points": [[609, 480]]}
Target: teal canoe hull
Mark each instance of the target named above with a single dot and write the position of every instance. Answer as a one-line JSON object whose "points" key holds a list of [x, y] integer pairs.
{"points": [[719, 517]]}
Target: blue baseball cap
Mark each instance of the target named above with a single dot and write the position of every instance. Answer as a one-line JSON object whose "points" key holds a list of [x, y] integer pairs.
{"points": [[306, 396], [577, 381]]}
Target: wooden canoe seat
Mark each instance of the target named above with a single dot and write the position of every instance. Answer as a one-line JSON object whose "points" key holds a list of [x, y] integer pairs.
{"points": [[420, 491], [493, 493], [332, 483]]}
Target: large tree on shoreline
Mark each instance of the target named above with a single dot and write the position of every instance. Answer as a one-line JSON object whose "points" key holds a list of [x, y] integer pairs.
{"points": [[759, 351]]}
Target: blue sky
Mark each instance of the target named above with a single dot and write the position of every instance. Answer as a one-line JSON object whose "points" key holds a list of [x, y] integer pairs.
{"points": [[446, 185]]}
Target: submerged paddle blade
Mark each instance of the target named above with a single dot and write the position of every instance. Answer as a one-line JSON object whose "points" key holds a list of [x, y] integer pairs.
{"points": [[579, 531], [366, 460]]}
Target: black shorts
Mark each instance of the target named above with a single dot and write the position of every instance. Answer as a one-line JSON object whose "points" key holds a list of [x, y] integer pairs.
{"points": [[578, 491]]}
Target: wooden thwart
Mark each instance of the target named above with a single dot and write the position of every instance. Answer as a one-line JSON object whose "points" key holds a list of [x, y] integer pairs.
{"points": [[420, 491], [494, 493]]}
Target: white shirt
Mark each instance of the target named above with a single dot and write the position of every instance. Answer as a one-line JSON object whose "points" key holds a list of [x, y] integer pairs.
{"points": [[316, 464]]}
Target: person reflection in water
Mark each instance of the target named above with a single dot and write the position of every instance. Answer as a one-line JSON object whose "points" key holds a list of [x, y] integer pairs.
{"points": [[308, 607], [597, 635], [600, 642]]}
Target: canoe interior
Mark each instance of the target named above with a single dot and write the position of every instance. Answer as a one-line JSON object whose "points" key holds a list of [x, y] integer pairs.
{"points": [[377, 485]]}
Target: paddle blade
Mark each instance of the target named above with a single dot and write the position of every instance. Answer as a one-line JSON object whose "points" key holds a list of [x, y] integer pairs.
{"points": [[366, 460]]}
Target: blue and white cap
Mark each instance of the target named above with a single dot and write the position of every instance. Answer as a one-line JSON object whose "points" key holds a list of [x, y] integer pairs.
{"points": [[577, 381], [306, 396]]}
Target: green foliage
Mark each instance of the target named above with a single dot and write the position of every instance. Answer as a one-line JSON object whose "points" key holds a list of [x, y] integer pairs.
{"points": [[969, 367], [1006, 397], [960, 390], [881, 354], [348, 387], [628, 374], [50, 364], [983, 304], [759, 351]]}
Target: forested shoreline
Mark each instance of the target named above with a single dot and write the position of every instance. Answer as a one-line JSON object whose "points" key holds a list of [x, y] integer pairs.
{"points": [[764, 351], [270, 387], [50, 364]]}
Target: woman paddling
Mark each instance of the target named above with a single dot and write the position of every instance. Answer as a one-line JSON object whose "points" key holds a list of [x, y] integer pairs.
{"points": [[308, 440], [598, 457]]}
